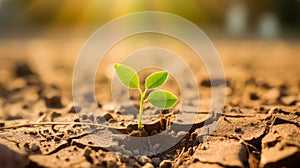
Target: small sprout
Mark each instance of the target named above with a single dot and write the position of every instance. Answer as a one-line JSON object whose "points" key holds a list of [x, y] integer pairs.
{"points": [[159, 98]]}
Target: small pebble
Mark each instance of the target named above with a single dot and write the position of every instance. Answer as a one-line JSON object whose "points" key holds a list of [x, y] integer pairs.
{"points": [[107, 117], [53, 101], [165, 164], [34, 146], [144, 159]]}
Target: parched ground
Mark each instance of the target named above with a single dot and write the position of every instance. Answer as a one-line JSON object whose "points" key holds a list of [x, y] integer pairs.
{"points": [[39, 126]]}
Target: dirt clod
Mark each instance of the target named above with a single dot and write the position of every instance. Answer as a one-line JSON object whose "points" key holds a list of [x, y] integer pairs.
{"points": [[108, 116], [144, 159], [35, 147], [165, 164], [284, 140], [53, 102], [137, 133], [226, 152]]}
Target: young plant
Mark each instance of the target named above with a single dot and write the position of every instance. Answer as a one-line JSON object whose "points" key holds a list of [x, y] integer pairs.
{"points": [[159, 98]]}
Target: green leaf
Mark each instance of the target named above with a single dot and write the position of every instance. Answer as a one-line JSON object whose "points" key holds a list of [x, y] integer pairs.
{"points": [[127, 76], [156, 79], [162, 99]]}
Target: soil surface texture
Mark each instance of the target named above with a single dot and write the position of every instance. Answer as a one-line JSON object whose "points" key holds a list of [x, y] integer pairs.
{"points": [[40, 126]]}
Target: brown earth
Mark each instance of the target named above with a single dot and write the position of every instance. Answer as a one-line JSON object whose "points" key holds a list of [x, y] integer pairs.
{"points": [[39, 126]]}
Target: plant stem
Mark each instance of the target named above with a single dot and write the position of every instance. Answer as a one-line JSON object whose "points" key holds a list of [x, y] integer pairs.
{"points": [[142, 94]]}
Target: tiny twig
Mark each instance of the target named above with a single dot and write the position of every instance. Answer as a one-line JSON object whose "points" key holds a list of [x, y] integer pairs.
{"points": [[168, 124], [181, 153], [43, 116], [242, 141], [237, 115], [161, 121], [52, 123]]}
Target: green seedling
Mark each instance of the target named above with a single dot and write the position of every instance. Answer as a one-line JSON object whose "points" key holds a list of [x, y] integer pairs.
{"points": [[159, 98]]}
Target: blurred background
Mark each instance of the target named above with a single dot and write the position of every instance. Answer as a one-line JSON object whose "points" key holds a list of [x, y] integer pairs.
{"points": [[253, 37], [240, 18]]}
